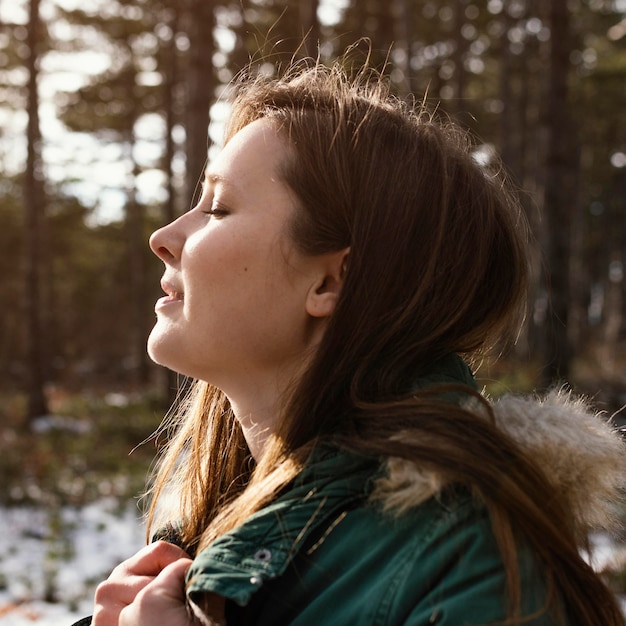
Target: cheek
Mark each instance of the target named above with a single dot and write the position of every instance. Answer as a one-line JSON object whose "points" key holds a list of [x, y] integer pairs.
{"points": [[222, 250], [235, 267]]}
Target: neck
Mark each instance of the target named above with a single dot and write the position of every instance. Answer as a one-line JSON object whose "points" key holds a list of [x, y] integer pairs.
{"points": [[258, 402], [258, 406], [257, 425]]}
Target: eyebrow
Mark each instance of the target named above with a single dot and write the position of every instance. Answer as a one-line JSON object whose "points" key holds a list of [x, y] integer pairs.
{"points": [[214, 179]]}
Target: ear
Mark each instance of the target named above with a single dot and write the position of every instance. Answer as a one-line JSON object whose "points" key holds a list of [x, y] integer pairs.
{"points": [[324, 293]]}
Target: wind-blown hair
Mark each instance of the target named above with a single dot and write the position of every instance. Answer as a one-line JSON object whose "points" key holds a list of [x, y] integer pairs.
{"points": [[437, 265]]}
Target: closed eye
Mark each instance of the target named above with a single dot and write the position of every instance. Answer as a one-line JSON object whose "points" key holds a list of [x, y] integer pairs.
{"points": [[217, 210]]}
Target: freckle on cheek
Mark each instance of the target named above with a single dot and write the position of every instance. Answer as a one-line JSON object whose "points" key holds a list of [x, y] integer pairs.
{"points": [[245, 269]]}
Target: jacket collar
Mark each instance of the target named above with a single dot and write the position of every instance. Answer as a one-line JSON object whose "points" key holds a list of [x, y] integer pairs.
{"points": [[449, 369], [236, 564]]}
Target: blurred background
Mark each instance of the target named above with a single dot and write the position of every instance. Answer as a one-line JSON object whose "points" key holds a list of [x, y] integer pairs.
{"points": [[107, 111]]}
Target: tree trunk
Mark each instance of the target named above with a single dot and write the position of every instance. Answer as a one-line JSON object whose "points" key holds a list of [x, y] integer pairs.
{"points": [[508, 143], [558, 200], [200, 82], [459, 80], [137, 272], [524, 156], [240, 56], [613, 306], [33, 222], [135, 240], [170, 85], [402, 28], [310, 26]]}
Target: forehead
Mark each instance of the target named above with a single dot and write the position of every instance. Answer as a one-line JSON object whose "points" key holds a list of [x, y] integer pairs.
{"points": [[256, 150]]}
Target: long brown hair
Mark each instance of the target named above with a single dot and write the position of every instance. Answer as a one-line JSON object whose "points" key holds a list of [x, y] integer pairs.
{"points": [[437, 265]]}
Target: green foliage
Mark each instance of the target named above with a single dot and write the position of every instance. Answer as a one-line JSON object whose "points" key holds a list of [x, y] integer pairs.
{"points": [[113, 101], [110, 105], [84, 279]]}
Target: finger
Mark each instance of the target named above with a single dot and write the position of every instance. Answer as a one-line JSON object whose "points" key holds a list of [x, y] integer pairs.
{"points": [[120, 591], [129, 578], [162, 601], [170, 582], [150, 560]]}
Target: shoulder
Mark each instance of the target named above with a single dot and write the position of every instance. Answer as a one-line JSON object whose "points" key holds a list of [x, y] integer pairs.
{"points": [[418, 561], [436, 564], [578, 449]]}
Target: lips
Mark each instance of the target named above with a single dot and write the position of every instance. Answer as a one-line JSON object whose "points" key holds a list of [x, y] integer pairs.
{"points": [[171, 290], [174, 294]]}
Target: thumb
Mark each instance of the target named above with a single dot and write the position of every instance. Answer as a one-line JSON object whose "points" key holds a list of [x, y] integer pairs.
{"points": [[170, 582]]}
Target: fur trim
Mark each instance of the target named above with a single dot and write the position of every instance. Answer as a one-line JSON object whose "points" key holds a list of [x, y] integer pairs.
{"points": [[578, 449], [580, 452], [405, 486]]}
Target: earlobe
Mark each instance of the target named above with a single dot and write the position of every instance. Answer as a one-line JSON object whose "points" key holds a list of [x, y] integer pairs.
{"points": [[323, 295], [323, 299]]}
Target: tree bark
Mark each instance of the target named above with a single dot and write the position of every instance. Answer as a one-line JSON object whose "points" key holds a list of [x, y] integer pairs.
{"points": [[310, 27], [559, 202], [170, 85], [33, 222], [136, 242], [508, 145], [459, 80], [614, 300], [402, 28], [200, 82]]}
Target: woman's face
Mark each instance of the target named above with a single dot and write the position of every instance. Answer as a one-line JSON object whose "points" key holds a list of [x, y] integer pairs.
{"points": [[236, 288]]}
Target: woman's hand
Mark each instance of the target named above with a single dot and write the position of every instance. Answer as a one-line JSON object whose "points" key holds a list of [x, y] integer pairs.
{"points": [[146, 589]]}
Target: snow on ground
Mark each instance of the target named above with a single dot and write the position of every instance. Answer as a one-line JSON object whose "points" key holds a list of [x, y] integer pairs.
{"points": [[51, 561]]}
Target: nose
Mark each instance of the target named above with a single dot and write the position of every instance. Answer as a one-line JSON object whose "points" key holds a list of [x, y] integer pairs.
{"points": [[167, 242]]}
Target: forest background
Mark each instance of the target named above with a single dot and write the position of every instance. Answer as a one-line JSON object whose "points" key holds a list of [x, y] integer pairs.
{"points": [[106, 112], [105, 116]]}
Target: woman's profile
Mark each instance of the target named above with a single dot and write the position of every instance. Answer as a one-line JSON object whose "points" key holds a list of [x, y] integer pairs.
{"points": [[335, 461]]}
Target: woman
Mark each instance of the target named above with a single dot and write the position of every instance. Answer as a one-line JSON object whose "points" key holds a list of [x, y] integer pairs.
{"points": [[335, 463]]}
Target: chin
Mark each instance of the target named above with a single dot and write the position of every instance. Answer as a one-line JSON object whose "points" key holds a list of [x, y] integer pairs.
{"points": [[158, 348], [165, 351]]}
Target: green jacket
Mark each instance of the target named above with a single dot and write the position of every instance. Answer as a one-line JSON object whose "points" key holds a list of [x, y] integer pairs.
{"points": [[328, 551], [323, 554]]}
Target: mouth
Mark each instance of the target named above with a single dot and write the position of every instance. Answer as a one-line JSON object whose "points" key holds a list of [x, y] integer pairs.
{"points": [[173, 295], [172, 292]]}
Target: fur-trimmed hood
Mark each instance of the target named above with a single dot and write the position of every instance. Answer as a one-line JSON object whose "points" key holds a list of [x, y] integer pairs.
{"points": [[579, 450]]}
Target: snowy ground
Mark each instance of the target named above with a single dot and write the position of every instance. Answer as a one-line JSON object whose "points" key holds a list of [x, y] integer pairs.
{"points": [[50, 562]]}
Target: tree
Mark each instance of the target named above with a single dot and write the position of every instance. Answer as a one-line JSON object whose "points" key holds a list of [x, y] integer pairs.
{"points": [[201, 84], [13, 370], [34, 223], [310, 27], [599, 63], [111, 105], [559, 201], [171, 84], [503, 69]]}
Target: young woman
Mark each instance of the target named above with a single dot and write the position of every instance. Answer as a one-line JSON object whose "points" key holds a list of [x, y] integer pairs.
{"points": [[335, 462]]}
